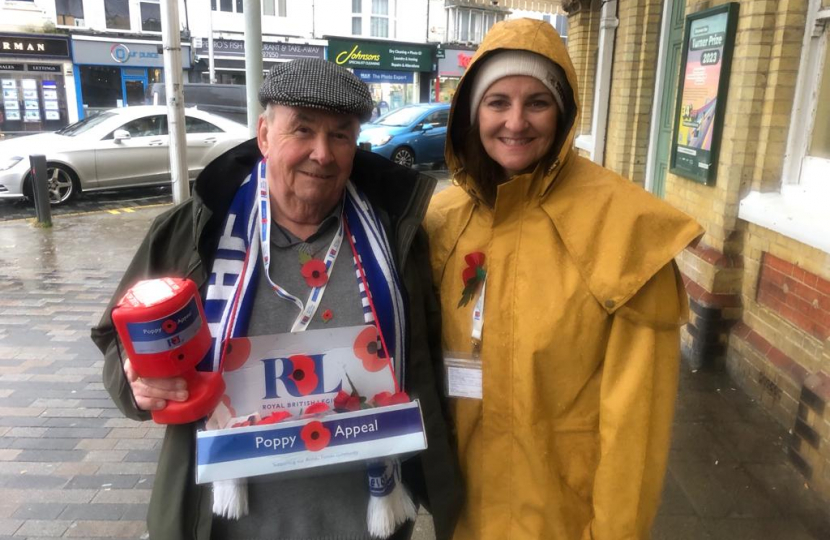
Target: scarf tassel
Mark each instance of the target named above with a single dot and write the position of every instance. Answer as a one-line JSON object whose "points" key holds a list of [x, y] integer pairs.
{"points": [[390, 504]]}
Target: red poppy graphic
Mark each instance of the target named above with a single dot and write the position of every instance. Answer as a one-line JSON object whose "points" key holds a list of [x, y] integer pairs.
{"points": [[303, 374], [274, 417], [236, 354], [317, 408], [250, 421], [384, 399], [169, 326], [315, 435], [327, 315], [346, 402], [314, 272], [368, 347]]}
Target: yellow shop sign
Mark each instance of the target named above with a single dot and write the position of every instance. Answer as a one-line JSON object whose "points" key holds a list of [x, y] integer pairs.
{"points": [[356, 54]]}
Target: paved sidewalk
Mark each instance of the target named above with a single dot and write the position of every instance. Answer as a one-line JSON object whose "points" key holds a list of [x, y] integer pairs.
{"points": [[71, 467]]}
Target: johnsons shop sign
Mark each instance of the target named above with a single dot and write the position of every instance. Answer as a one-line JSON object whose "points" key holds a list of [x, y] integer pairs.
{"points": [[381, 55]]}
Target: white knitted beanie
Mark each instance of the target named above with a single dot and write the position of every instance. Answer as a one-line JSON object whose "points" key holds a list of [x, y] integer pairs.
{"points": [[510, 62]]}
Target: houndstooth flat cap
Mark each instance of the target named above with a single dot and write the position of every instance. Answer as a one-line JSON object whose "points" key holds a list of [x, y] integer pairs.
{"points": [[317, 84]]}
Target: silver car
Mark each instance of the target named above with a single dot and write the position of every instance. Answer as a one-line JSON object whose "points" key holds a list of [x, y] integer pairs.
{"points": [[113, 149]]}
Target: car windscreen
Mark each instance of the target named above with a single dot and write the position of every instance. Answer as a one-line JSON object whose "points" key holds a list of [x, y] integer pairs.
{"points": [[86, 124], [400, 117]]}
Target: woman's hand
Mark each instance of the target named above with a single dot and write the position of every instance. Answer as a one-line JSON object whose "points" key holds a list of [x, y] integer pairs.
{"points": [[151, 394]]}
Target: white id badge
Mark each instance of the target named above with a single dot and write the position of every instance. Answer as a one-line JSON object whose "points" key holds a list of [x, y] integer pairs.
{"points": [[463, 375]]}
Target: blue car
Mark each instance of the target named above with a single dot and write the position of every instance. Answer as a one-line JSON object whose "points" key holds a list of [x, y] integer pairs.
{"points": [[409, 135]]}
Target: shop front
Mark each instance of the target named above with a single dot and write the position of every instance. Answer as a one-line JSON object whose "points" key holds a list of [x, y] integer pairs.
{"points": [[452, 63], [229, 56], [113, 74], [392, 70], [37, 84]]}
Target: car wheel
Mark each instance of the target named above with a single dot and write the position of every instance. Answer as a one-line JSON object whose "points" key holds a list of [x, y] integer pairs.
{"points": [[404, 156], [62, 184]]}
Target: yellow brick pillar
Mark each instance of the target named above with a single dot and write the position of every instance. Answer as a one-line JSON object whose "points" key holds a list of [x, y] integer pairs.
{"points": [[632, 87], [583, 44]]}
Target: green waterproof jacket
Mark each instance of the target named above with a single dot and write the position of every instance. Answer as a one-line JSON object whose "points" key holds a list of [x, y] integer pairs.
{"points": [[181, 243]]}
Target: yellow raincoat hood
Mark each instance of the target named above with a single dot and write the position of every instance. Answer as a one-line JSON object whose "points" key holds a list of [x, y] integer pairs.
{"points": [[580, 345]]}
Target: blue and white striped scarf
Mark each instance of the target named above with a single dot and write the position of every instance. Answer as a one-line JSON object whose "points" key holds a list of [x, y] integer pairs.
{"points": [[233, 281]]}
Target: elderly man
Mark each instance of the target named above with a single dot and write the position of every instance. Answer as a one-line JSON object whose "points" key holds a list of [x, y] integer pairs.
{"points": [[304, 177]]}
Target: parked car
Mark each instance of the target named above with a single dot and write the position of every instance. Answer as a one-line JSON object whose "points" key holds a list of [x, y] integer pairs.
{"points": [[113, 149], [226, 100], [409, 135]]}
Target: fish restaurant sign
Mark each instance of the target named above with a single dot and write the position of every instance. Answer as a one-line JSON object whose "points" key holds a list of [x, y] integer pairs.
{"points": [[391, 56], [33, 46]]}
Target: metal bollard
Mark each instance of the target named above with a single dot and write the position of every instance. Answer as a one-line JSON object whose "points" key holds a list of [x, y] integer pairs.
{"points": [[365, 146], [40, 190]]}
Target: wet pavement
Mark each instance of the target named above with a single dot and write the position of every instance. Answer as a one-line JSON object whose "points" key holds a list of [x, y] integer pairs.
{"points": [[71, 467]]}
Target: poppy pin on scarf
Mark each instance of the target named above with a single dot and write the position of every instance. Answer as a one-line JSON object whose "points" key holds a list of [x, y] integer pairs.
{"points": [[472, 276]]}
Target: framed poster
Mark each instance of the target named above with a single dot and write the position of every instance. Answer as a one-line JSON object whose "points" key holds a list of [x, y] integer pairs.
{"points": [[708, 42]]}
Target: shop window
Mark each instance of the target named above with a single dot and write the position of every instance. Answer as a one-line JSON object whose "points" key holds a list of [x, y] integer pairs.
{"points": [[70, 12], [117, 14], [101, 86], [150, 16], [196, 125], [32, 102]]}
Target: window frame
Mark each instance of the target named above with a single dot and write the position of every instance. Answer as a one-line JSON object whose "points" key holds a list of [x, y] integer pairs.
{"points": [[129, 18], [357, 15], [64, 25], [236, 6], [799, 167], [376, 18], [141, 16]]}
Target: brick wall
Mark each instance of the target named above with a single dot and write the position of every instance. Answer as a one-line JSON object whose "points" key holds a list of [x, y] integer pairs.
{"points": [[780, 351], [800, 297]]}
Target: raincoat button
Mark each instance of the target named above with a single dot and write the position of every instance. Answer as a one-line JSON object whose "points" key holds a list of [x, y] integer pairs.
{"points": [[610, 304]]}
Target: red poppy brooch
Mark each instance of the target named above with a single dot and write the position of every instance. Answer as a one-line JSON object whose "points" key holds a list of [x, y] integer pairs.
{"points": [[314, 272], [472, 276]]}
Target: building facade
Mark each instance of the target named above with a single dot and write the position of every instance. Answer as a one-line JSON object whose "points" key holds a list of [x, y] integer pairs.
{"points": [[759, 280]]}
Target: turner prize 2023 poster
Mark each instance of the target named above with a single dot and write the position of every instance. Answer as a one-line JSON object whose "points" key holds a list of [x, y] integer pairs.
{"points": [[707, 52]]}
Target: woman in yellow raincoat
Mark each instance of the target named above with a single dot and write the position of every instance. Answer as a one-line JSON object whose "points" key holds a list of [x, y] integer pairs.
{"points": [[559, 290]]}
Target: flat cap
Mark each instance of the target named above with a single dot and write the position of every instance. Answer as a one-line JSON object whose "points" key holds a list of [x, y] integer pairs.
{"points": [[317, 84]]}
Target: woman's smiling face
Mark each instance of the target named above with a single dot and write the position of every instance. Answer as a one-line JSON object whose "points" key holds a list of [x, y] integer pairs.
{"points": [[517, 121]]}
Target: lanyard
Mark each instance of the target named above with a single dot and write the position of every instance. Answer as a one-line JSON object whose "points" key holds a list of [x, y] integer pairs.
{"points": [[478, 320], [308, 309]]}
